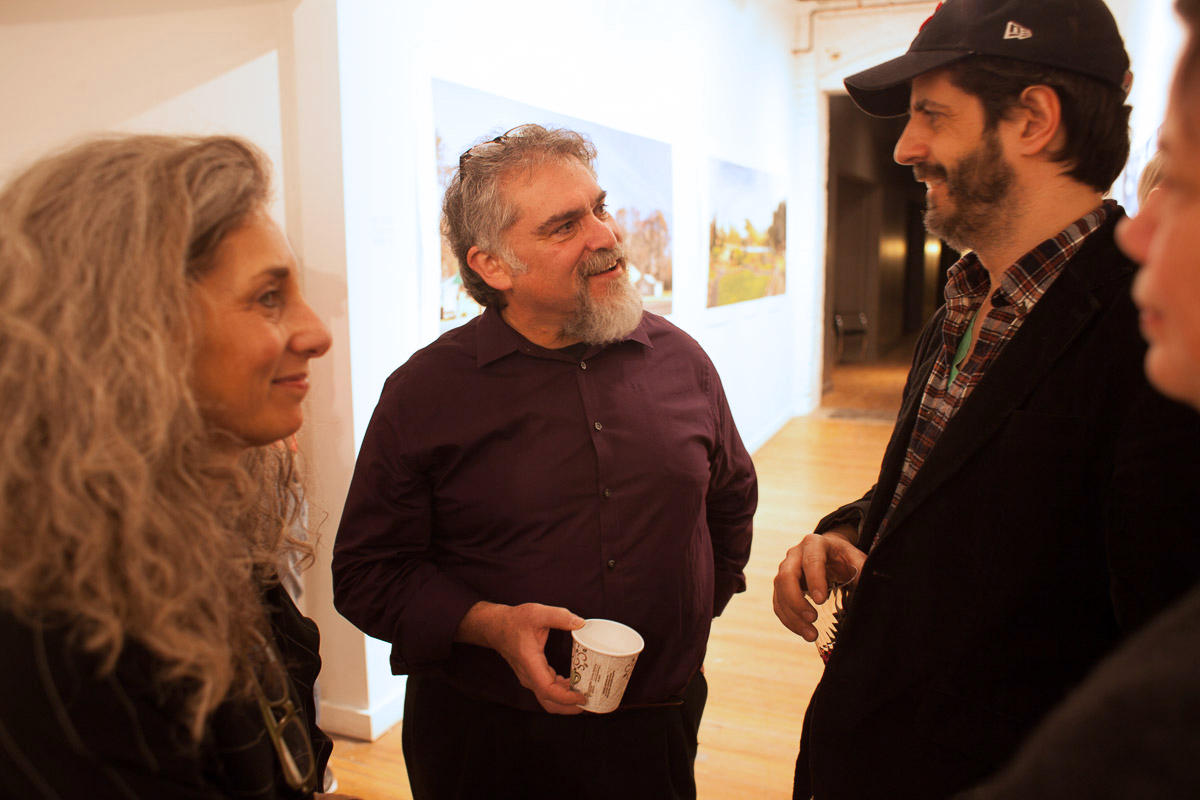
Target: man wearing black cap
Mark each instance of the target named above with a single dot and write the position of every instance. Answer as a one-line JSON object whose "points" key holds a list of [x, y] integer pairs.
{"points": [[1033, 502]]}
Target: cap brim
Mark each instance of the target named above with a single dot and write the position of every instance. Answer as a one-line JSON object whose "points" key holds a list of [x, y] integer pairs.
{"points": [[882, 91]]}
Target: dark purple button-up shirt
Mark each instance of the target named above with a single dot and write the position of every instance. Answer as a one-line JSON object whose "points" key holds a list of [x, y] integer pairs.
{"points": [[612, 483]]}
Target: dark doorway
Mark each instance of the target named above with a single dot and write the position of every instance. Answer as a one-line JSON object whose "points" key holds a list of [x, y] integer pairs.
{"points": [[882, 271], [855, 226]]}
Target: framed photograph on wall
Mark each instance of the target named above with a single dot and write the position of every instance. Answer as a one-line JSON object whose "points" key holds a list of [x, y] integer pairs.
{"points": [[747, 234]]}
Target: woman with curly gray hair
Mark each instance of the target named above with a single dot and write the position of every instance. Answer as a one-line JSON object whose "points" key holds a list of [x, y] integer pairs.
{"points": [[154, 350]]}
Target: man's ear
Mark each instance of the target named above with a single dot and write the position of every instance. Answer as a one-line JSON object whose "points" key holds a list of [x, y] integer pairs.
{"points": [[1038, 115], [494, 270]]}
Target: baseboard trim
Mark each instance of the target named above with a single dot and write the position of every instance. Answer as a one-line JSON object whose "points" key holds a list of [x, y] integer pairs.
{"points": [[365, 724]]}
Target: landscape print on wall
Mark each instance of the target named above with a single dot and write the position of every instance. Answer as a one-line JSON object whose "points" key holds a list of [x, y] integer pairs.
{"points": [[747, 235], [634, 170]]}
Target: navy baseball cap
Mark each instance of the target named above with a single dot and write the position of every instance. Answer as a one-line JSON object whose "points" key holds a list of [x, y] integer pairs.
{"points": [[1075, 35]]}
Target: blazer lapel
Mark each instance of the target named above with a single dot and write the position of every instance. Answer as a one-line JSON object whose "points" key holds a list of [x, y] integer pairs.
{"points": [[1052, 325]]}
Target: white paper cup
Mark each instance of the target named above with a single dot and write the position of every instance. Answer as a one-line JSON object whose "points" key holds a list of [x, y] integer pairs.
{"points": [[602, 660]]}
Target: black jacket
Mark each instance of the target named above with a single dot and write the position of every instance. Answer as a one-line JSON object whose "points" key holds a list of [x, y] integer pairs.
{"points": [[67, 733]]}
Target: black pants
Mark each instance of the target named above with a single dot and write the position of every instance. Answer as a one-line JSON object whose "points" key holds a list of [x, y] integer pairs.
{"points": [[459, 748]]}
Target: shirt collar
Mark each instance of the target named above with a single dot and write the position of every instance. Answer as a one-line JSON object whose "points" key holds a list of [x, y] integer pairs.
{"points": [[1023, 283], [496, 339]]}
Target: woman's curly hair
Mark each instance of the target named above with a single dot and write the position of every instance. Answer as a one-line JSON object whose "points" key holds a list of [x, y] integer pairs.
{"points": [[118, 518]]}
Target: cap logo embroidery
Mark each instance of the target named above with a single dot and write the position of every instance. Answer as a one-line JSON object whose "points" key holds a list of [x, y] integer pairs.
{"points": [[1015, 31]]}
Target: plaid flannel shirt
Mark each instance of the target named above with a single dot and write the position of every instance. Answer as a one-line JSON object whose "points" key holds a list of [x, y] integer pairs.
{"points": [[1021, 286]]}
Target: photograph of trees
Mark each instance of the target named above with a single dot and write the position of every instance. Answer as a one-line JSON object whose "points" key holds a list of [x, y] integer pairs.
{"points": [[747, 235]]}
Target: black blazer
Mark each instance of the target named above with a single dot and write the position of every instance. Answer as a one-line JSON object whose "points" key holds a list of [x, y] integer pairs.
{"points": [[1054, 513], [67, 733]]}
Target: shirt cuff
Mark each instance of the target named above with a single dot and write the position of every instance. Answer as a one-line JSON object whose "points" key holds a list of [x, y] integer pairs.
{"points": [[725, 586], [425, 634]]}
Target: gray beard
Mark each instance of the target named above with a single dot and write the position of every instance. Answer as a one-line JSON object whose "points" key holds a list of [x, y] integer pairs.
{"points": [[597, 320], [609, 317]]}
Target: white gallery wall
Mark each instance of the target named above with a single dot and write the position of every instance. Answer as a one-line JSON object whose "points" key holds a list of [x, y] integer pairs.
{"points": [[1153, 37], [338, 93]]}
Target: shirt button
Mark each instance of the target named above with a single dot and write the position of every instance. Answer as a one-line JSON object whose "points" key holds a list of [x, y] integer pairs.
{"points": [[612, 564], [597, 426], [607, 493], [583, 365]]}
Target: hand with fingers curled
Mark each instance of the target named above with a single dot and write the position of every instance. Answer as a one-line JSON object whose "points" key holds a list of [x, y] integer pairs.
{"points": [[806, 569], [518, 634]]}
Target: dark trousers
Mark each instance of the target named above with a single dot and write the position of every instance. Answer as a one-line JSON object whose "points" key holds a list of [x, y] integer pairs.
{"points": [[460, 748]]}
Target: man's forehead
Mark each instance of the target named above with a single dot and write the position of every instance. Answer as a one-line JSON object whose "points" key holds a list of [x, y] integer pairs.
{"points": [[550, 187], [935, 85]]}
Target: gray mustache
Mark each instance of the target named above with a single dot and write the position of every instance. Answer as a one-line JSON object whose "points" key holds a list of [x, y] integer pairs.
{"points": [[601, 260]]}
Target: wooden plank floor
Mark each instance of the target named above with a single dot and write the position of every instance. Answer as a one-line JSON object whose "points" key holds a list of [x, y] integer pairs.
{"points": [[760, 675]]}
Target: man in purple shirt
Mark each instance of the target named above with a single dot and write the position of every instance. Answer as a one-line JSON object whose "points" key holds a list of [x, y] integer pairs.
{"points": [[563, 456]]}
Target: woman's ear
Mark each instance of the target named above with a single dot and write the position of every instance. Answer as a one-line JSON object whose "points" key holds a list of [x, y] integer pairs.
{"points": [[493, 269]]}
